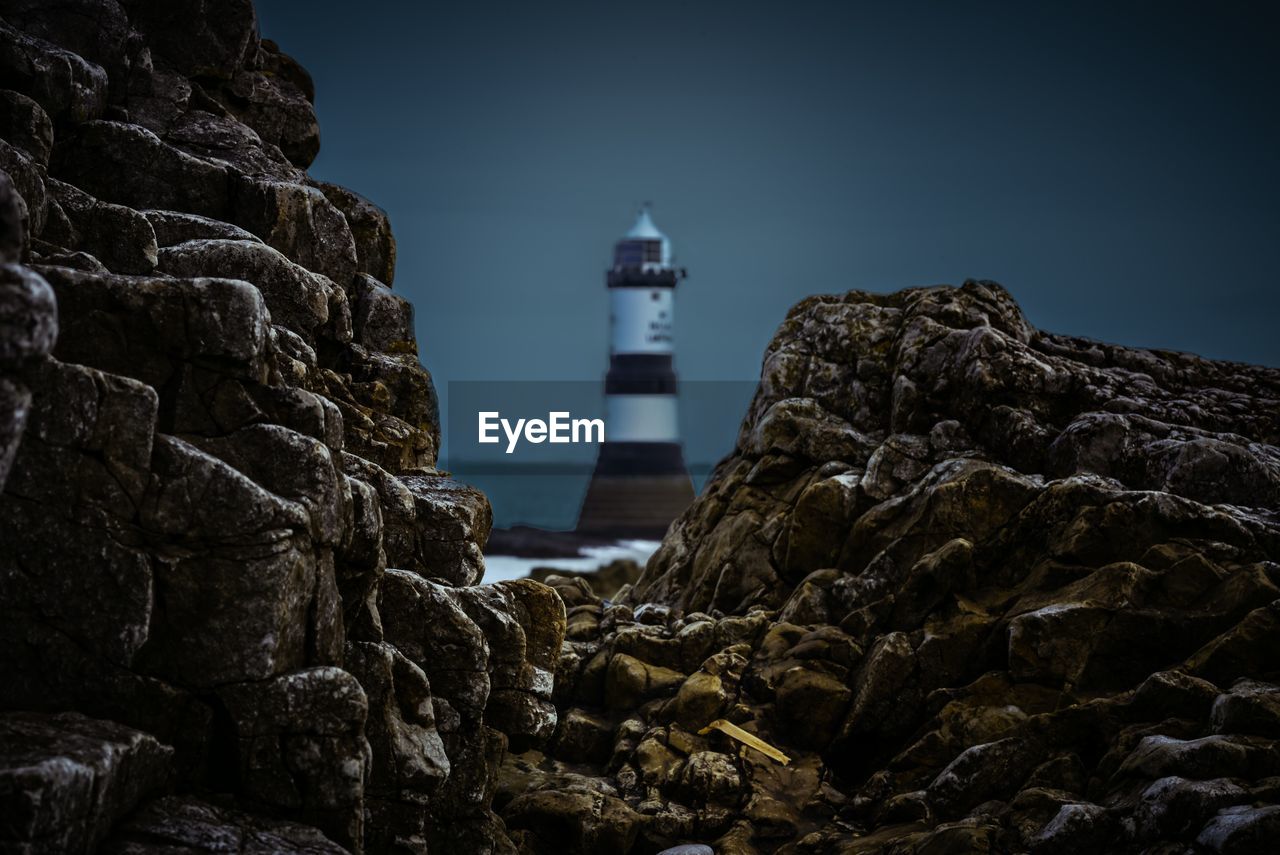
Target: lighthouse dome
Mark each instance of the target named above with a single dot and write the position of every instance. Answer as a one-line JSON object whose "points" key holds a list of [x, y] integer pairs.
{"points": [[644, 246]]}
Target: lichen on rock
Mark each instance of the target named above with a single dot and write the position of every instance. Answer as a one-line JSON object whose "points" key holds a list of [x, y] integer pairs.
{"points": [[989, 588]]}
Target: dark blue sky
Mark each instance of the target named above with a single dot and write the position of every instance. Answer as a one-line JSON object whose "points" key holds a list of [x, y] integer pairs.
{"points": [[1114, 165]]}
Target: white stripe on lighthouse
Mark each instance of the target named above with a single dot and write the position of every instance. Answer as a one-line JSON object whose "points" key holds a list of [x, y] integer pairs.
{"points": [[641, 418], [642, 319]]}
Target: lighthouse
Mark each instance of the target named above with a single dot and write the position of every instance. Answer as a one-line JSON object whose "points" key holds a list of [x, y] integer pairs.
{"points": [[640, 483]]}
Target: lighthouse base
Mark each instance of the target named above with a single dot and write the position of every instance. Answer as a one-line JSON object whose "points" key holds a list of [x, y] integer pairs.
{"points": [[637, 490]]}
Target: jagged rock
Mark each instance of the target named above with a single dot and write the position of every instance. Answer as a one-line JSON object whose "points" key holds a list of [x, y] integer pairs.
{"points": [[185, 824], [15, 404], [275, 106], [1241, 830], [25, 125], [631, 682], [712, 776], [28, 178], [375, 244], [129, 165], [97, 30], [381, 320], [13, 222], [67, 86], [1203, 758], [139, 327], [66, 779], [574, 823], [1172, 693], [1075, 828], [1249, 707], [202, 477], [122, 239], [523, 622], [1173, 808], [582, 736], [173, 228], [427, 624], [301, 747], [296, 297], [28, 317], [448, 531], [200, 38], [300, 222], [992, 580]]}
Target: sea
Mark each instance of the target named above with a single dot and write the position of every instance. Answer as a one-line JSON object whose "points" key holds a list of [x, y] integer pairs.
{"points": [[549, 498]]}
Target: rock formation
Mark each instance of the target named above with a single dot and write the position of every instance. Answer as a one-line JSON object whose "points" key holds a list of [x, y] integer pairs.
{"points": [[237, 601], [963, 586], [988, 589]]}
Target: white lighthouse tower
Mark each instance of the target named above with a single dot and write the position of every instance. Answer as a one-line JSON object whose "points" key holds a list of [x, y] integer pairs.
{"points": [[640, 483]]}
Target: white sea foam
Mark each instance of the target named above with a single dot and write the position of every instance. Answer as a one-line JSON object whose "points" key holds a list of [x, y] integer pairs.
{"points": [[501, 567]]}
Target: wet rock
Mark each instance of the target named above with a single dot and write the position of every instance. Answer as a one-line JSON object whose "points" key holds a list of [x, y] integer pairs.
{"points": [[173, 228], [67, 86], [446, 539], [380, 319], [122, 239], [629, 682], [201, 475], [275, 107], [28, 316], [811, 705], [427, 624], [14, 225], [1249, 707], [66, 779], [1075, 828], [1203, 758], [1172, 693], [711, 776], [186, 824], [1241, 830], [971, 585], [139, 327], [523, 622], [198, 37], [301, 747], [582, 736], [981, 773], [574, 823], [297, 220], [130, 165], [296, 297], [1173, 807], [375, 244], [24, 124]]}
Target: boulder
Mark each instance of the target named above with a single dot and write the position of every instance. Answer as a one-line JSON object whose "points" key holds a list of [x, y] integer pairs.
{"points": [[187, 824], [301, 747], [65, 779]]}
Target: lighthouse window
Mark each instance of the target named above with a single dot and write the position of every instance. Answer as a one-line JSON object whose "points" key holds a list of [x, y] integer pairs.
{"points": [[653, 251], [655, 296], [630, 252]]}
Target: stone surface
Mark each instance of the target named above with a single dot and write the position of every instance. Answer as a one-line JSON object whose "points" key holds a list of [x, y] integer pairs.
{"points": [[185, 824], [66, 779], [983, 587], [207, 466]]}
